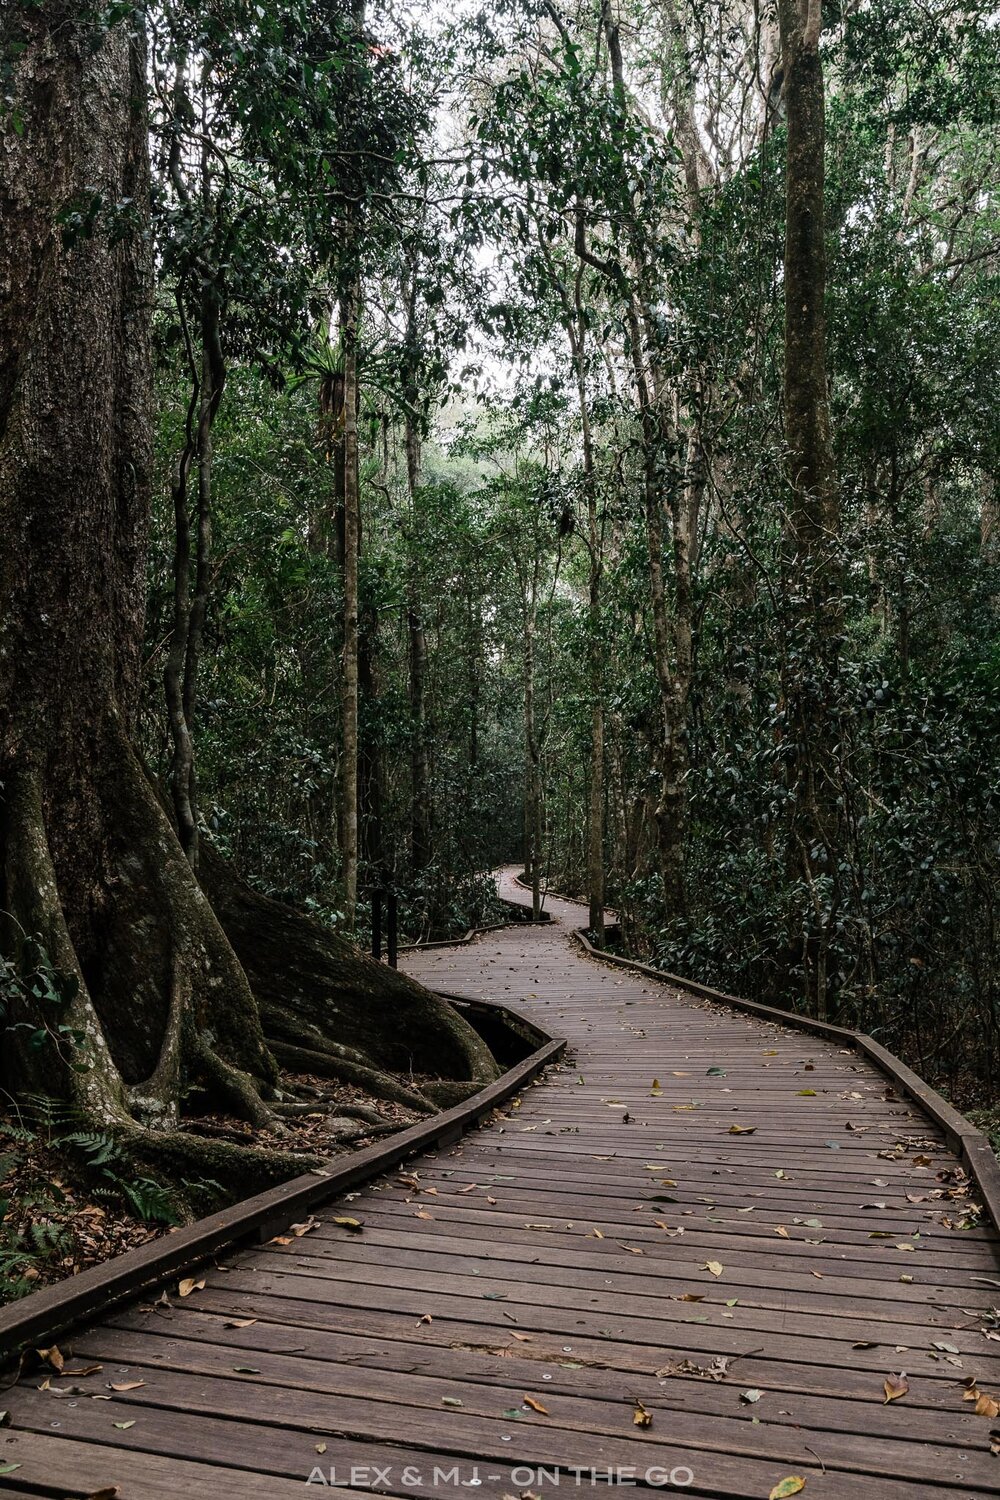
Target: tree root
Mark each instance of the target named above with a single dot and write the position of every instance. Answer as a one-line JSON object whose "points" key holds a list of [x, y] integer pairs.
{"points": [[382, 1085], [232, 1084]]}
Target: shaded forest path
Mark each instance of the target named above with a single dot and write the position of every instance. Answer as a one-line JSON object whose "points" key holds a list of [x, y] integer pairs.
{"points": [[694, 1208]]}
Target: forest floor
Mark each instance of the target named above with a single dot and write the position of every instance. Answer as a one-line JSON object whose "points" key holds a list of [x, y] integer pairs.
{"points": [[69, 1201]]}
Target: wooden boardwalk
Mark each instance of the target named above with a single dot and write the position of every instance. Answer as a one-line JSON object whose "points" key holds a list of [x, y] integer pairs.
{"points": [[730, 1230]]}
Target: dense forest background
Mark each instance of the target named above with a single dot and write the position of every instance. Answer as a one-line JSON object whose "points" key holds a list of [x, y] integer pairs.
{"points": [[574, 440], [543, 246]]}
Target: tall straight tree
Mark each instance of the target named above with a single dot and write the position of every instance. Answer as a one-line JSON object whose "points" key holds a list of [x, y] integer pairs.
{"points": [[813, 504]]}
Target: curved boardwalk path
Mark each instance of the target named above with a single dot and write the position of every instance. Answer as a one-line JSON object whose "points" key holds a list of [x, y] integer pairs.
{"points": [[609, 1245]]}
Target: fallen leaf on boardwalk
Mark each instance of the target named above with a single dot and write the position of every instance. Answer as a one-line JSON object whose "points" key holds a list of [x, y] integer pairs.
{"points": [[716, 1073], [922, 1161], [946, 1348], [782, 1175], [986, 1406], [240, 1323], [681, 1075], [793, 1485], [715, 1266], [320, 1447], [641, 1417], [278, 1239], [742, 1129], [717, 1370], [751, 1397], [807, 1093], [491, 1200], [311, 1223], [450, 1401], [245, 1370], [523, 1338], [126, 1385], [771, 1052], [469, 1188], [85, 1370], [425, 1319], [895, 1386], [818, 1275], [632, 1249], [596, 1234], [536, 1406], [692, 1297], [192, 1284], [8, 1468], [421, 1214], [354, 1225], [782, 1231], [124, 1426], [52, 1357]]}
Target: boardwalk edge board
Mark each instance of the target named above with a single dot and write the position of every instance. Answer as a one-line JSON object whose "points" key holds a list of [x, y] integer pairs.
{"points": [[56, 1308], [962, 1136]]}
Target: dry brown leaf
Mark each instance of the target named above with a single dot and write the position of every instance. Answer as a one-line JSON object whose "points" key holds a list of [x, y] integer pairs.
{"points": [[895, 1387], [52, 1357], [742, 1129], [715, 1266], [536, 1406], [125, 1385], [783, 1232], [240, 1323], [641, 1417], [191, 1284], [987, 1406]]}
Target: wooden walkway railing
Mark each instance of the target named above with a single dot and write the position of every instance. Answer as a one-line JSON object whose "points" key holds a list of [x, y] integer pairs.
{"points": [[705, 1253]]}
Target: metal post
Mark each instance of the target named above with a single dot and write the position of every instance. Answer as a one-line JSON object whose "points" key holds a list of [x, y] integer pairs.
{"points": [[392, 929], [377, 926]]}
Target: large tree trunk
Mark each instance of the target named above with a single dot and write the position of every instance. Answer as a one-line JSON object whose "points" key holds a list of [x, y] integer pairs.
{"points": [[147, 992], [813, 513]]}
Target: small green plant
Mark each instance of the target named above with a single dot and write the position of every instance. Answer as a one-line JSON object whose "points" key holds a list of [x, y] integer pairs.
{"points": [[29, 980]]}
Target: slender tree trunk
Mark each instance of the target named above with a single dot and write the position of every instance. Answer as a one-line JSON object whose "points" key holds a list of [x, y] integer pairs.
{"points": [[576, 328], [420, 809], [352, 537], [813, 515], [532, 752]]}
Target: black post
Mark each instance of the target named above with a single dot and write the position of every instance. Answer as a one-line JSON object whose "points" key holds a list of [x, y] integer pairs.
{"points": [[391, 945], [377, 926]]}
